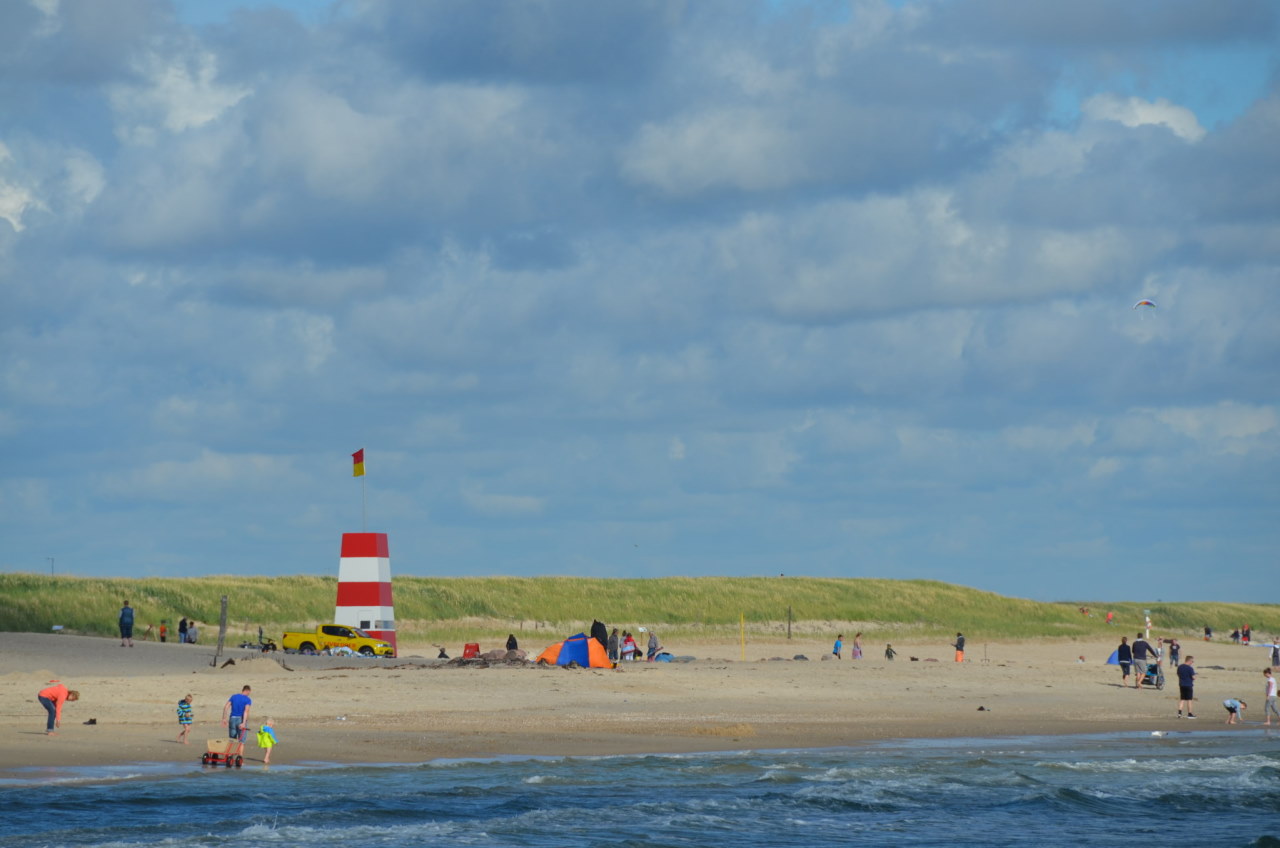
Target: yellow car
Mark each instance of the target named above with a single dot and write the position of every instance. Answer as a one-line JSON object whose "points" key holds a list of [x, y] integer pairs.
{"points": [[337, 636]]}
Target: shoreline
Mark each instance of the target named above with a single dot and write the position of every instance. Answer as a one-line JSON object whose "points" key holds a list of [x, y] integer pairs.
{"points": [[329, 710]]}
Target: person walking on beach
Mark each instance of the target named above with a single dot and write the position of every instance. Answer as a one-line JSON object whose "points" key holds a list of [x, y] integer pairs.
{"points": [[1235, 710], [185, 716], [126, 625], [1142, 651], [192, 632], [612, 646], [1269, 704], [839, 646], [1186, 687], [164, 630], [653, 646], [1124, 656], [1208, 633], [52, 697], [182, 630], [959, 646], [857, 647], [1175, 651], [889, 652], [235, 717]]}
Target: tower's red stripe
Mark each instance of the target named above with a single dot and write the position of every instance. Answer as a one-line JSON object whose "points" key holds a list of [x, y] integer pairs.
{"points": [[364, 594], [364, 545]]}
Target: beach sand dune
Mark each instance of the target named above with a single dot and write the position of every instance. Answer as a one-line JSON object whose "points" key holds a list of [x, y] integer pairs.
{"points": [[417, 709]]}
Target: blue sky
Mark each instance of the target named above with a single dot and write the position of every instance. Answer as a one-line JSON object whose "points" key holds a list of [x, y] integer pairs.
{"points": [[646, 289]]}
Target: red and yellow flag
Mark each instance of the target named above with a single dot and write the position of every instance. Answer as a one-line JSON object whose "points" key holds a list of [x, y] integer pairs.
{"points": [[357, 459]]}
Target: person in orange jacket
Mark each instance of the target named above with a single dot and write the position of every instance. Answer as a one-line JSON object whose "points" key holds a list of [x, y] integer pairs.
{"points": [[52, 697]]}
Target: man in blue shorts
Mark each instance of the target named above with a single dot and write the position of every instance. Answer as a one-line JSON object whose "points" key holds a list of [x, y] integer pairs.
{"points": [[235, 717], [1186, 686]]}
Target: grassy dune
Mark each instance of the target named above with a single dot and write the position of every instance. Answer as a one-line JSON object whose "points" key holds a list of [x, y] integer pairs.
{"points": [[543, 609]]}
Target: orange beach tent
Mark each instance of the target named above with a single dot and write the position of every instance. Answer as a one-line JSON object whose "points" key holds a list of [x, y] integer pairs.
{"points": [[582, 649]]}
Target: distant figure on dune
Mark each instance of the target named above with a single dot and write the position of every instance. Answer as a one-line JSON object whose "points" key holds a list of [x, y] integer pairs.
{"points": [[126, 625]]}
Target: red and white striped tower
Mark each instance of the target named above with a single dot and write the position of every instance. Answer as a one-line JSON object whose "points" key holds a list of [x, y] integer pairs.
{"points": [[364, 586]]}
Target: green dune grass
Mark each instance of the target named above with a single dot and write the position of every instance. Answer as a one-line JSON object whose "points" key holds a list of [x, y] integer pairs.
{"points": [[544, 609]]}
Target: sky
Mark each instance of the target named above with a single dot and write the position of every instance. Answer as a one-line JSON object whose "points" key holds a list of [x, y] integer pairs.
{"points": [[644, 289]]}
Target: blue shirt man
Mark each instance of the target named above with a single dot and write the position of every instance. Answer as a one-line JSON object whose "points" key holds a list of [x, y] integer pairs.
{"points": [[235, 716]]}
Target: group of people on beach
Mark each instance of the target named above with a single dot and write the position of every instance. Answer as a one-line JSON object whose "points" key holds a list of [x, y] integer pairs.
{"points": [[188, 632], [1142, 658], [855, 650], [235, 716], [625, 648]]}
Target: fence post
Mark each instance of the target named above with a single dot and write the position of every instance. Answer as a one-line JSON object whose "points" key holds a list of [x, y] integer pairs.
{"points": [[222, 630]]}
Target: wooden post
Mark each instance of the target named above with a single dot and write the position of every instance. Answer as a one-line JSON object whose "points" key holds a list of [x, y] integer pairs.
{"points": [[788, 623], [222, 631]]}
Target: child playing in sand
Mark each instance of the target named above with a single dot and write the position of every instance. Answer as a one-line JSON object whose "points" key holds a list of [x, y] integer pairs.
{"points": [[267, 738], [185, 717], [1234, 707]]}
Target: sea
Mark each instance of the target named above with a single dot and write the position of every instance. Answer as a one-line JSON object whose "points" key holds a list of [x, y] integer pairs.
{"points": [[1202, 788]]}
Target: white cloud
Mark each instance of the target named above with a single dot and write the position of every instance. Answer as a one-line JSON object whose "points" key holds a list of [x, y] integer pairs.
{"points": [[179, 93], [1136, 112], [498, 505], [743, 149], [1227, 427], [202, 477], [15, 199], [1050, 439]]}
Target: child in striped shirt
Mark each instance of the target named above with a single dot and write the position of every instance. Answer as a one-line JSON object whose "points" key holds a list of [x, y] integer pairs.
{"points": [[185, 717]]}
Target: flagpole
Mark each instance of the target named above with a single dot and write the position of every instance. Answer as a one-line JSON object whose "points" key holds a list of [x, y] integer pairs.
{"points": [[357, 469]]}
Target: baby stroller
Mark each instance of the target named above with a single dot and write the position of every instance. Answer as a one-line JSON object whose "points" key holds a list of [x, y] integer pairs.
{"points": [[1154, 675]]}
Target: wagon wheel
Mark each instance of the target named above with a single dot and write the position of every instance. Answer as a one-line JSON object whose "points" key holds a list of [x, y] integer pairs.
{"points": [[204, 759], [228, 761], [239, 761]]}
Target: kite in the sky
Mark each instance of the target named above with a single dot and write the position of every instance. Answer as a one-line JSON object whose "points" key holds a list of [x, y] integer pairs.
{"points": [[1144, 303]]}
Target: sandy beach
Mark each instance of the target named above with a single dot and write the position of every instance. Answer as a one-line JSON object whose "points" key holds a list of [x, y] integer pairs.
{"points": [[417, 709]]}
